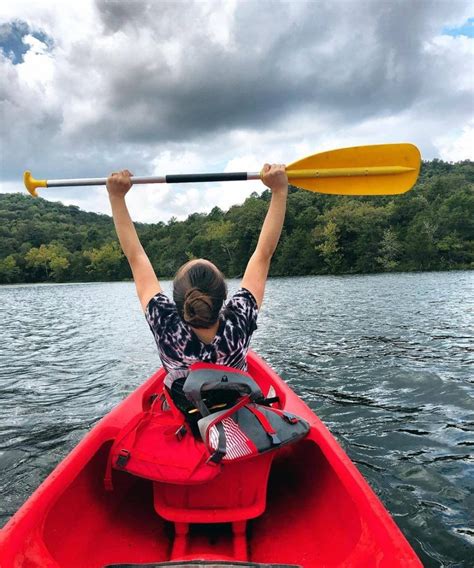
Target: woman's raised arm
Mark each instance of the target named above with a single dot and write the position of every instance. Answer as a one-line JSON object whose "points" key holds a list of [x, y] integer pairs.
{"points": [[146, 282], [256, 272]]}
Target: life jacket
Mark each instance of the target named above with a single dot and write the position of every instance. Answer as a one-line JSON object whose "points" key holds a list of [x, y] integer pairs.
{"points": [[157, 445], [248, 428]]}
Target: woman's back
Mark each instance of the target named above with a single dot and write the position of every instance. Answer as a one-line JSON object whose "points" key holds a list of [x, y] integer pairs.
{"points": [[179, 345]]}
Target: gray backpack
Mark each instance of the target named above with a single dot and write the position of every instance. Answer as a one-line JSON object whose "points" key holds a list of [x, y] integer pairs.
{"points": [[247, 428]]}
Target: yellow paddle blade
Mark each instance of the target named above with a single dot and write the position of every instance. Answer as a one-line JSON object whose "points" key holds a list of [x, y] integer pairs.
{"points": [[382, 169]]}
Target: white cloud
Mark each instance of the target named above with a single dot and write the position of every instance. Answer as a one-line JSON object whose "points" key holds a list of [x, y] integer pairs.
{"points": [[37, 70], [460, 144]]}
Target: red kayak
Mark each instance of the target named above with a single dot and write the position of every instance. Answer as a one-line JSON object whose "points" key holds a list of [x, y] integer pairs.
{"points": [[302, 505]]}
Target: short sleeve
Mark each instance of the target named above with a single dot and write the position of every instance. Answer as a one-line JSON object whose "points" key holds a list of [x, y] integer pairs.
{"points": [[243, 306], [160, 313]]}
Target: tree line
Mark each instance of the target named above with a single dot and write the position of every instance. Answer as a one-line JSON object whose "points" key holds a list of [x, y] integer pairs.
{"points": [[429, 228]]}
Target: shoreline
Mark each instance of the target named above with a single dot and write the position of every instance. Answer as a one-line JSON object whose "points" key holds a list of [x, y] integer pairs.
{"points": [[170, 278]]}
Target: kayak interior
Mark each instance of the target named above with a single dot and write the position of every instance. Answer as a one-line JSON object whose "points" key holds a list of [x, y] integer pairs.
{"points": [[309, 518], [318, 512]]}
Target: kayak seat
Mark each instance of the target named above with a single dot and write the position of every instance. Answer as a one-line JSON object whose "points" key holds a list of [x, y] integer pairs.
{"points": [[236, 495]]}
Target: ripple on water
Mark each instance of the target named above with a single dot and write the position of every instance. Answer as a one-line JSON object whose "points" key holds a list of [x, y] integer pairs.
{"points": [[384, 360]]}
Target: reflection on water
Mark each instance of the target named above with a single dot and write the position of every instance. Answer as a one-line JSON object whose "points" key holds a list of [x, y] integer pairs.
{"points": [[386, 362]]}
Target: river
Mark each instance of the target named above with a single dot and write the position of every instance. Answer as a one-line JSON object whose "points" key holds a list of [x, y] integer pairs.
{"points": [[386, 361]]}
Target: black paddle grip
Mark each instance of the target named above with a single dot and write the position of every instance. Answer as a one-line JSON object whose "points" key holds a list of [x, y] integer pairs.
{"points": [[186, 178]]}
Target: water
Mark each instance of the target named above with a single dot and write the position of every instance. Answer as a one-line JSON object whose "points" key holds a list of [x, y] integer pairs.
{"points": [[386, 361]]}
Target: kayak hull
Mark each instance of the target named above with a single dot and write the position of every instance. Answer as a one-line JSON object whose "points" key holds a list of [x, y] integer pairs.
{"points": [[318, 511]]}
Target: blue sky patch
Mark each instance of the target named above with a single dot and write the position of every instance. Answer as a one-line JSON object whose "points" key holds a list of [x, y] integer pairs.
{"points": [[11, 40], [467, 29]]}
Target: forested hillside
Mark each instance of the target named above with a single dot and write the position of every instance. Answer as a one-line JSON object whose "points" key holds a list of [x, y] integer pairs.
{"points": [[428, 228]]}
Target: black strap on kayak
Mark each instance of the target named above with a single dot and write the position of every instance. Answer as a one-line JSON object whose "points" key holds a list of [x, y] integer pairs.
{"points": [[122, 459], [221, 445], [269, 400]]}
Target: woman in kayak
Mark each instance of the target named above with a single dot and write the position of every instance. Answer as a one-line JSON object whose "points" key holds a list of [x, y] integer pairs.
{"points": [[196, 326]]}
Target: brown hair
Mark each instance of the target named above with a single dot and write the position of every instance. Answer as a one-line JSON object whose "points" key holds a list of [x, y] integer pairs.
{"points": [[199, 292]]}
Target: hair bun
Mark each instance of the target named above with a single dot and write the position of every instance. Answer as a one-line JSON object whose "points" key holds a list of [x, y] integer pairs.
{"points": [[197, 308], [199, 291]]}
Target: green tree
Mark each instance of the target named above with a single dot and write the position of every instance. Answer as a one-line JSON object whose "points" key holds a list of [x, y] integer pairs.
{"points": [[453, 251], [296, 255], [9, 271], [106, 262], [329, 247], [50, 259], [421, 242], [218, 234], [359, 231], [389, 250], [247, 220]]}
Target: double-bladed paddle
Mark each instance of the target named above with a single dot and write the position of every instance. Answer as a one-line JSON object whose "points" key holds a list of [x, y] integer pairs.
{"points": [[382, 169]]}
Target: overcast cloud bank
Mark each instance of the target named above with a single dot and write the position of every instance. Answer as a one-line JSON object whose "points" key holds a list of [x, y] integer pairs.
{"points": [[176, 87]]}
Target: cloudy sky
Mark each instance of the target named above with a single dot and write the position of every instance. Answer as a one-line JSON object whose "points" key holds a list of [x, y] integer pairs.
{"points": [[164, 87]]}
